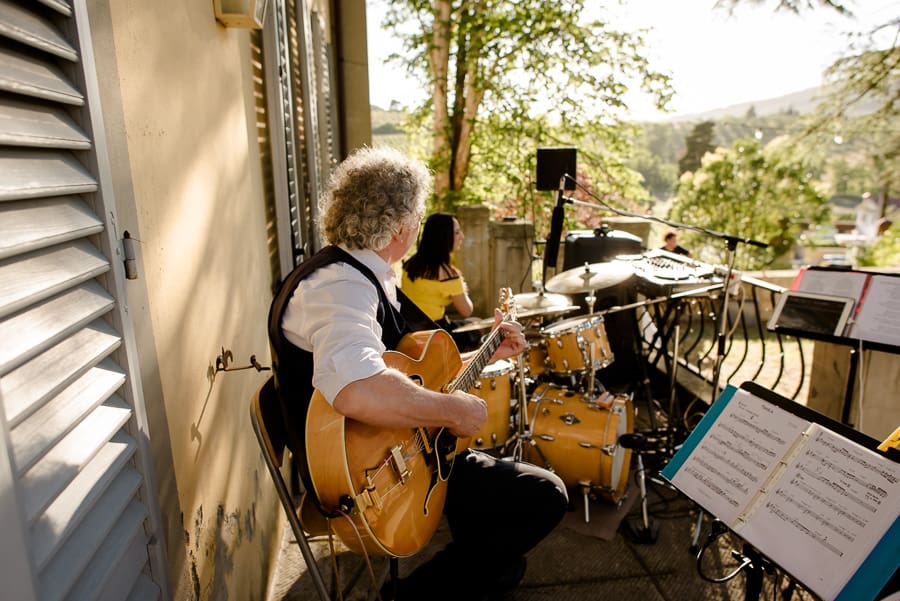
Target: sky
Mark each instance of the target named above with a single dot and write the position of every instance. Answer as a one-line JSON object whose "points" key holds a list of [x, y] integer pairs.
{"points": [[715, 60]]}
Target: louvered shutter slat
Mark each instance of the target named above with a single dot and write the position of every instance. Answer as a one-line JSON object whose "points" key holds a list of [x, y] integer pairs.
{"points": [[46, 480], [42, 173], [30, 76], [37, 434], [100, 537], [19, 24], [23, 124], [33, 331], [118, 577], [44, 222], [27, 388], [60, 6], [44, 273], [58, 520]]}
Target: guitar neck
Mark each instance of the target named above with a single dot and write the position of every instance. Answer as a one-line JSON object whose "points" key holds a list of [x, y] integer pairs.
{"points": [[472, 372]]}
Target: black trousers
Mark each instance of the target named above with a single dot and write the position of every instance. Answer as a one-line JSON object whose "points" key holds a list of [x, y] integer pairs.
{"points": [[497, 511]]}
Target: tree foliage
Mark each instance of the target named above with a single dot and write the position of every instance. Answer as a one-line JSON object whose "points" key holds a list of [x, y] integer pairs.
{"points": [[698, 143], [747, 192], [497, 65]]}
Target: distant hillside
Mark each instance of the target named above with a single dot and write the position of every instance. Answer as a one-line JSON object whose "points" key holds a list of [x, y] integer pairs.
{"points": [[801, 102]]}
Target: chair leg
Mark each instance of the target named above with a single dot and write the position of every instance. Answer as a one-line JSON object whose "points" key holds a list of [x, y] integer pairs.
{"points": [[312, 567]]}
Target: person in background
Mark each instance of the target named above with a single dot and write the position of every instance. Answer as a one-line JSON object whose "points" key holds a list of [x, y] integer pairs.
{"points": [[330, 324], [433, 283], [671, 244]]}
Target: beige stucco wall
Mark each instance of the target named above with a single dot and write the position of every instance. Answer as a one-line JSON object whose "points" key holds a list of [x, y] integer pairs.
{"points": [[177, 94]]}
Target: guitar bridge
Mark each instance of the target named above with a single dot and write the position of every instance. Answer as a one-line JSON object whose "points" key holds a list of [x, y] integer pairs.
{"points": [[400, 463]]}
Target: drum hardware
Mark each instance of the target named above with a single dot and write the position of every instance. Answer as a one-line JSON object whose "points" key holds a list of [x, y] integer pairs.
{"points": [[522, 435]]}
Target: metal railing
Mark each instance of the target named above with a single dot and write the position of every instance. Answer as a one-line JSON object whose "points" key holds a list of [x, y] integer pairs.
{"points": [[683, 336]]}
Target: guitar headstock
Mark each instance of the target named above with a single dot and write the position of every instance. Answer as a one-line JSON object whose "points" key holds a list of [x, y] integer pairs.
{"points": [[507, 304]]}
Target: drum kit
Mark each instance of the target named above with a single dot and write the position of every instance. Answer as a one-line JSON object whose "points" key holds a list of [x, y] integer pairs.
{"points": [[547, 407]]}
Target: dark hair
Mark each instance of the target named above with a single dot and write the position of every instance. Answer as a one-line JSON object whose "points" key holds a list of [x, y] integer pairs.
{"points": [[434, 248], [670, 234]]}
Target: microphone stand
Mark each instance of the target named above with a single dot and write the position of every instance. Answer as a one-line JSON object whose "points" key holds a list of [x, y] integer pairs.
{"points": [[551, 251]]}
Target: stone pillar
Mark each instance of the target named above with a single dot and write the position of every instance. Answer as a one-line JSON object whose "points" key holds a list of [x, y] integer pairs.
{"points": [[512, 247], [494, 254], [473, 257]]}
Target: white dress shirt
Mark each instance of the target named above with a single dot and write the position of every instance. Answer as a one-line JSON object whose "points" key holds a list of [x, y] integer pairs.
{"points": [[333, 312]]}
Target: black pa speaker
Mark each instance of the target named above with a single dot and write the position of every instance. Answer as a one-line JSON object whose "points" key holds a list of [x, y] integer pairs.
{"points": [[552, 164]]}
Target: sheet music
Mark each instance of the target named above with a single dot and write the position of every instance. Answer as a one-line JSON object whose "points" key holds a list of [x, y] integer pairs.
{"points": [[878, 319], [849, 284], [827, 511], [737, 456]]}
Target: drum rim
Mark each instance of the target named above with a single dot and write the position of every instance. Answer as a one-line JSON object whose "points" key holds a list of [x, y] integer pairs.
{"points": [[570, 321], [492, 370]]}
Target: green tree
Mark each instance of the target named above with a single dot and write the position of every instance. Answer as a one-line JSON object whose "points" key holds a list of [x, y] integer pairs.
{"points": [[659, 176], [516, 60], [698, 143], [747, 192], [886, 251], [863, 106]]}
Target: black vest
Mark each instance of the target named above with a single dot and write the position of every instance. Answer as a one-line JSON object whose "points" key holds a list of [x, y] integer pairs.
{"points": [[293, 366]]}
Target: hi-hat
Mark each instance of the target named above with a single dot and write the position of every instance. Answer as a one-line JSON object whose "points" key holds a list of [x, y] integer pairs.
{"points": [[595, 276], [488, 322], [540, 300]]}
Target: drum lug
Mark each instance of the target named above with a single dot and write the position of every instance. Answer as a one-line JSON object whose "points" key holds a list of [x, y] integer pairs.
{"points": [[609, 449], [547, 437], [586, 445]]}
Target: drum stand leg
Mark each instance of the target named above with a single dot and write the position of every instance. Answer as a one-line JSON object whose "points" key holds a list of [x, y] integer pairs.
{"points": [[647, 531], [521, 434], [585, 490]]}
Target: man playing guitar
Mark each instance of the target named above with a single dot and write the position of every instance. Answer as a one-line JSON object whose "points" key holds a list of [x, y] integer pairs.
{"points": [[330, 326]]}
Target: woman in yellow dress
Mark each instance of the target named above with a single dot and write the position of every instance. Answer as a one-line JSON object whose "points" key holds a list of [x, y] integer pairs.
{"points": [[432, 282]]}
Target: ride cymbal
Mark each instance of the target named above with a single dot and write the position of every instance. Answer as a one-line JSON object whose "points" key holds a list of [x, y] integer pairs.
{"points": [[595, 276]]}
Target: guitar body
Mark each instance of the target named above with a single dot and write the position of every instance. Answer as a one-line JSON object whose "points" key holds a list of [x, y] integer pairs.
{"points": [[393, 480]]}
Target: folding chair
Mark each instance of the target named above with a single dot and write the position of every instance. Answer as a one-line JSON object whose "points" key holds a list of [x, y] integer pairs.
{"points": [[268, 424]]}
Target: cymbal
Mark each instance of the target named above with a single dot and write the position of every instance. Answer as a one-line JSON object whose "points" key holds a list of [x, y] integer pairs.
{"points": [[540, 300], [488, 322], [481, 324], [546, 311], [595, 276]]}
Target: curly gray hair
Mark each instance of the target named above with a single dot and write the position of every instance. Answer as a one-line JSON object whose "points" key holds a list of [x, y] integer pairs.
{"points": [[371, 194]]}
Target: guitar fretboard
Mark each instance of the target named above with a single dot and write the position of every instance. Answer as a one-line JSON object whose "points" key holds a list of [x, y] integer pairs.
{"points": [[472, 372]]}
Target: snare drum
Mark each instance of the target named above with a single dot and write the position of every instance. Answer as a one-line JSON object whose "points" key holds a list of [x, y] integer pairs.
{"points": [[495, 387], [578, 439], [571, 342]]}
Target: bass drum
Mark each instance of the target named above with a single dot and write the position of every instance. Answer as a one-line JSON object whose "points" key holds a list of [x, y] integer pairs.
{"points": [[495, 387], [578, 439]]}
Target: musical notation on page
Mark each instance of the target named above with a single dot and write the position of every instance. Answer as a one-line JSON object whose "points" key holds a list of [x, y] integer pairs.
{"points": [[818, 504]]}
